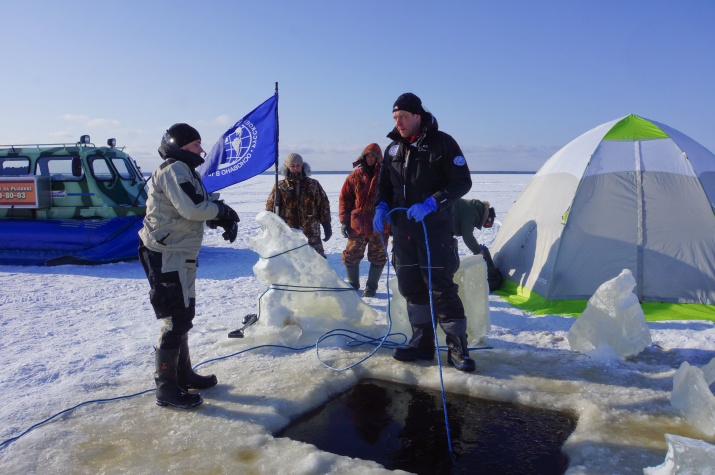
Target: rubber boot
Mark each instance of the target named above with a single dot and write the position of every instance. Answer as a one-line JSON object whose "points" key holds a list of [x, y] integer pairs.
{"points": [[353, 276], [373, 277], [421, 344], [186, 377], [458, 352], [168, 392]]}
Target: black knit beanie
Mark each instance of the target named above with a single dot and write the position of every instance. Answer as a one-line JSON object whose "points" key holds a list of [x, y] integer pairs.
{"points": [[183, 134], [410, 103]]}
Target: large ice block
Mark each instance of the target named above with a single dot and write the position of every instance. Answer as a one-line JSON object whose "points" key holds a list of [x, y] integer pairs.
{"points": [[692, 398], [685, 457], [613, 322], [709, 372], [303, 289], [473, 290]]}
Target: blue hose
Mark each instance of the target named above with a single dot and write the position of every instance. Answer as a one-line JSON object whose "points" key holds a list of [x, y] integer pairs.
{"points": [[351, 334]]}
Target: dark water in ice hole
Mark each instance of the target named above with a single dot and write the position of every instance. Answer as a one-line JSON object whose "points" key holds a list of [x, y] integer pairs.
{"points": [[402, 427]]}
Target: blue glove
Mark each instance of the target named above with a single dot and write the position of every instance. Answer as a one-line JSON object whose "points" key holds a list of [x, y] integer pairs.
{"points": [[420, 210], [381, 215]]}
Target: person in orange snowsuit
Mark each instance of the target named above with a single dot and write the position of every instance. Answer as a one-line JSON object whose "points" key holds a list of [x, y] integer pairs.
{"points": [[356, 212]]}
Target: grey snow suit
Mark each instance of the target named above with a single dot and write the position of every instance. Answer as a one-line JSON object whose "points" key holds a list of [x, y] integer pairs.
{"points": [[177, 207]]}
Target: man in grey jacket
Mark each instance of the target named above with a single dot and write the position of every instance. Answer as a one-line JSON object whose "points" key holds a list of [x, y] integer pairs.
{"points": [[177, 207]]}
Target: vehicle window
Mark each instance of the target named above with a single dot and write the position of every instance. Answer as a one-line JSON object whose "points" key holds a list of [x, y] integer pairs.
{"points": [[59, 168], [123, 168], [100, 168], [14, 166]]}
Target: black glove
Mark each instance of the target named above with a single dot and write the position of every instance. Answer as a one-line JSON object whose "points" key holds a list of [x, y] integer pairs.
{"points": [[229, 226], [230, 231], [327, 229], [226, 212], [227, 218], [346, 230]]}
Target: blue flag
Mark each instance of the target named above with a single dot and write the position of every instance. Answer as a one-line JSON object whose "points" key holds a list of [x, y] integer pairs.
{"points": [[243, 151]]}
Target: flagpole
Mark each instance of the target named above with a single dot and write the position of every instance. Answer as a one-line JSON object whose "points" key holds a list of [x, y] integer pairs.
{"points": [[276, 205]]}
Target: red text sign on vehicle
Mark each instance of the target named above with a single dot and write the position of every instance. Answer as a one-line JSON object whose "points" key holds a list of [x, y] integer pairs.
{"points": [[18, 192]]}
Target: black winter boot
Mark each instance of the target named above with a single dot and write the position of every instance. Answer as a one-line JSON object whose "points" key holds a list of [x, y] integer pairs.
{"points": [[458, 353], [373, 277], [421, 345], [353, 276], [168, 392], [187, 379]]}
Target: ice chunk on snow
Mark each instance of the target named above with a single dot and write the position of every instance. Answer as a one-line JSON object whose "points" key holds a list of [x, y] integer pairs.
{"points": [[473, 290], [686, 457], [709, 372], [613, 322], [301, 283], [692, 397]]}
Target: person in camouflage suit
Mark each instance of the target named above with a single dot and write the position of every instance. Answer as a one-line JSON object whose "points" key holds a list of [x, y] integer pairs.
{"points": [[302, 203], [357, 211]]}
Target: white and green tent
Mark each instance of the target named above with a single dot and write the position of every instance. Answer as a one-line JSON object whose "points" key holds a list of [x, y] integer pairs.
{"points": [[629, 194]]}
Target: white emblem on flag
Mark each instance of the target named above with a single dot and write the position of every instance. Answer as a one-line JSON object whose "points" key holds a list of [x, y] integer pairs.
{"points": [[240, 145], [459, 161], [393, 150]]}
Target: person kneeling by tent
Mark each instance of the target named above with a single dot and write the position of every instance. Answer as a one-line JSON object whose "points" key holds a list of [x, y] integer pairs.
{"points": [[470, 214], [176, 209]]}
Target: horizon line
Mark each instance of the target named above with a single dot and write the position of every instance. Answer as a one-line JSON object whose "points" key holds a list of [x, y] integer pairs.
{"points": [[471, 172]]}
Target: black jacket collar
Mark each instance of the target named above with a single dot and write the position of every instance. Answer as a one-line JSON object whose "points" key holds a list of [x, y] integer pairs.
{"points": [[172, 151]]}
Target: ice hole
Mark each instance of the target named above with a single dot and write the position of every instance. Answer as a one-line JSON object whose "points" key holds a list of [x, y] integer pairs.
{"points": [[402, 427]]}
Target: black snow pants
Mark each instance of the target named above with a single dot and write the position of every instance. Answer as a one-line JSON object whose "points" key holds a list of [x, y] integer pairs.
{"points": [[167, 296], [409, 258]]}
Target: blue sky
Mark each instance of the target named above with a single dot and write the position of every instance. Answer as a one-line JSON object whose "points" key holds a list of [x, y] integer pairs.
{"points": [[511, 81]]}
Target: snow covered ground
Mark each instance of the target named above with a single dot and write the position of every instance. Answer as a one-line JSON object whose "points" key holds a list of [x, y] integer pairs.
{"points": [[72, 334]]}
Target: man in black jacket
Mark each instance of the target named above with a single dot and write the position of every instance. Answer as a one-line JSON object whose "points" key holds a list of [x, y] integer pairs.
{"points": [[424, 171]]}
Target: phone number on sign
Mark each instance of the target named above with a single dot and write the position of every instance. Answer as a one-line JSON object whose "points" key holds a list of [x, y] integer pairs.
{"points": [[10, 195]]}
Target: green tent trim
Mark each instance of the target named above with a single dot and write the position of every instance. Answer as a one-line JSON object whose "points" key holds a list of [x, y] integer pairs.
{"points": [[635, 128], [531, 302]]}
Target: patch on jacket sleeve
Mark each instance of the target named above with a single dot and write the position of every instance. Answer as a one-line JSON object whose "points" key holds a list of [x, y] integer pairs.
{"points": [[459, 161], [191, 192], [393, 150], [166, 163]]}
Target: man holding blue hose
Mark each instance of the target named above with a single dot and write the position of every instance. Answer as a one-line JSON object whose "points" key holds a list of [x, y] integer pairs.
{"points": [[424, 171]]}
